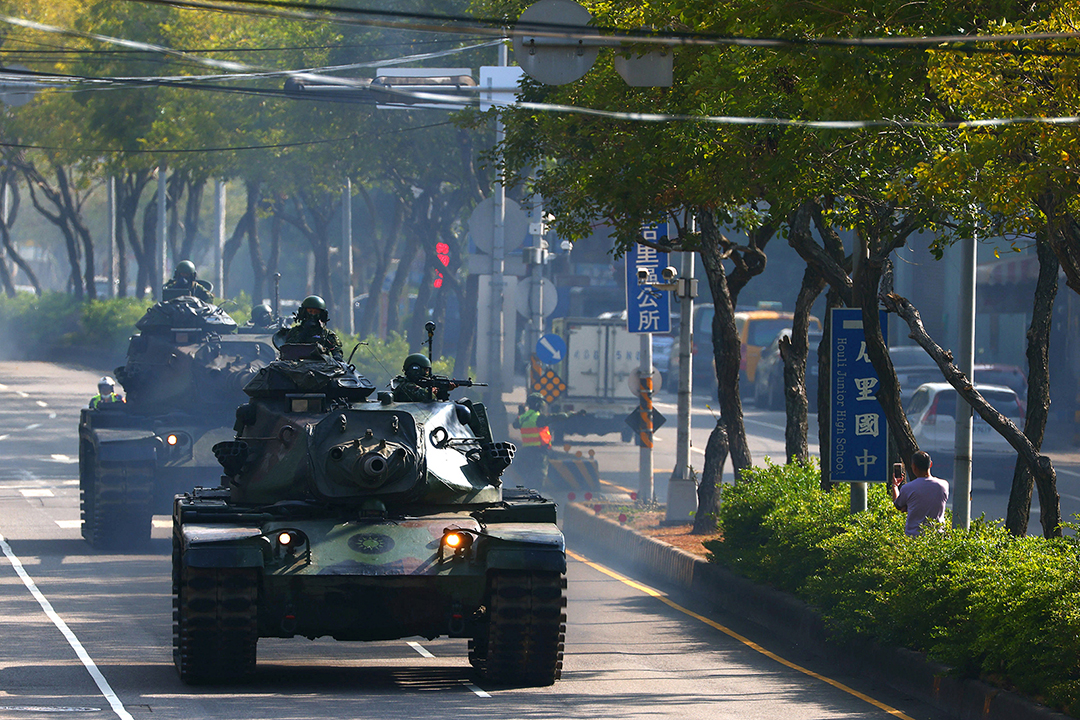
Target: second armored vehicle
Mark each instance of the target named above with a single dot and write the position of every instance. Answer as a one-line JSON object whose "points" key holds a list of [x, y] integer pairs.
{"points": [[184, 376]]}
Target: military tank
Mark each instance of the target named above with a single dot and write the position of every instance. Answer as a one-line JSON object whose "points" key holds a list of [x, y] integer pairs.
{"points": [[184, 376], [344, 513]]}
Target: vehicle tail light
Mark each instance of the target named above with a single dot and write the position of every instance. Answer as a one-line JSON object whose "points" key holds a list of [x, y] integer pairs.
{"points": [[930, 416]]}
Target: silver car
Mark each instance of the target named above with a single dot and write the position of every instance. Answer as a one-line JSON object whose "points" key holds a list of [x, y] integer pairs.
{"points": [[931, 413]]}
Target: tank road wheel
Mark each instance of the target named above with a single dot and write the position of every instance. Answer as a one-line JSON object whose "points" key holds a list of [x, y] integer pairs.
{"points": [[522, 642], [117, 512], [215, 622]]}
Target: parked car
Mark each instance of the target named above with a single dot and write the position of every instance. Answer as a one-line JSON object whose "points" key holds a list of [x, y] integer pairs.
{"points": [[932, 416], [914, 367], [769, 378]]}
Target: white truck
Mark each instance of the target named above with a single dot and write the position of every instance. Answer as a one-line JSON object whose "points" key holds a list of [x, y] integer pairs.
{"points": [[601, 355]]}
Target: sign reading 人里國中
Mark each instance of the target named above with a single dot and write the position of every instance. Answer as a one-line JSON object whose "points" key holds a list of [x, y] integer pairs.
{"points": [[859, 451]]}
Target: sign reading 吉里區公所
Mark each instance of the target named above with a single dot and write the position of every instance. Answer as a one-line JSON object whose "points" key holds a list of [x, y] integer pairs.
{"points": [[647, 308], [859, 448]]}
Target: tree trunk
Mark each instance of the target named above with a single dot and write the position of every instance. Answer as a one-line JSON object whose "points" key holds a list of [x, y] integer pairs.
{"points": [[794, 353], [832, 300], [726, 344], [712, 474], [1038, 401]]}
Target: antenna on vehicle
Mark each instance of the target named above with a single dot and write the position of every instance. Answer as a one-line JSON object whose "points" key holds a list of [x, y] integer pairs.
{"points": [[430, 327]]}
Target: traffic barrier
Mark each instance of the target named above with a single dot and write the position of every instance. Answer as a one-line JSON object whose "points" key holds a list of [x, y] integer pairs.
{"points": [[573, 472]]}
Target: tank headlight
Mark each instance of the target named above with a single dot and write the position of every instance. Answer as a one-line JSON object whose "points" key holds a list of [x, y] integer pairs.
{"points": [[172, 439], [455, 543], [290, 541]]}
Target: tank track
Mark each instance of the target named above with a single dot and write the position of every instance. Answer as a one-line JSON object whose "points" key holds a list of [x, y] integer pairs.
{"points": [[116, 506], [215, 622], [523, 638]]}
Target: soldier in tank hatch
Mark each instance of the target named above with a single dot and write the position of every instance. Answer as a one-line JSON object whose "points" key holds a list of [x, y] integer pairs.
{"points": [[310, 327], [185, 281]]}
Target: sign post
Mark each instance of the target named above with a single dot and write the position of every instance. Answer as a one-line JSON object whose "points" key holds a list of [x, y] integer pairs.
{"points": [[859, 450], [646, 312]]}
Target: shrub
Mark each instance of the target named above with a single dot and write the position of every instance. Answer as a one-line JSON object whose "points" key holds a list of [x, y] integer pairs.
{"points": [[990, 605]]}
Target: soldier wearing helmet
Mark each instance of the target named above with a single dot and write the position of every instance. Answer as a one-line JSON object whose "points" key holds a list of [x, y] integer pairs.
{"points": [[310, 327], [414, 385], [262, 317], [107, 394], [185, 281]]}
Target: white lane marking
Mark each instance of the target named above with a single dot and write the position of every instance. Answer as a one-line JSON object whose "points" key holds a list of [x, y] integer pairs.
{"points": [[4, 437], [476, 691], [69, 524], [41, 403], [166, 523], [420, 649], [52, 416], [699, 451], [3, 386], [21, 394], [33, 426], [39, 492], [66, 459], [46, 606]]}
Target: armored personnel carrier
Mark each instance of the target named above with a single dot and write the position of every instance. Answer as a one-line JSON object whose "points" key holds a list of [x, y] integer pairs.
{"points": [[184, 376], [358, 517]]}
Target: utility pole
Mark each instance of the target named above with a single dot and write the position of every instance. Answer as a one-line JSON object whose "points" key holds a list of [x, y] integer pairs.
{"points": [[219, 246], [347, 256], [645, 455], [682, 489], [966, 362], [162, 235]]}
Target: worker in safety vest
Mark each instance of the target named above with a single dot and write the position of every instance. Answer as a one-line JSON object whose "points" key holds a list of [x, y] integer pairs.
{"points": [[530, 463], [106, 393]]}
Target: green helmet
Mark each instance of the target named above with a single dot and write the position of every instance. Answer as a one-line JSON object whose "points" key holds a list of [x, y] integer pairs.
{"points": [[262, 315], [184, 269], [417, 367], [313, 302]]}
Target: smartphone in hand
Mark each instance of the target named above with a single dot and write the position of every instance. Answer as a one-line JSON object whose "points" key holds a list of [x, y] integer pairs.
{"points": [[898, 472]]}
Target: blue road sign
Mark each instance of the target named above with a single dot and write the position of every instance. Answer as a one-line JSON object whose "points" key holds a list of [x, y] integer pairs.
{"points": [[550, 349], [647, 309], [859, 433]]}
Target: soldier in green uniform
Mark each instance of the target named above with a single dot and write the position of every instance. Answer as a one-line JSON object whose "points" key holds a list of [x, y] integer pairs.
{"points": [[185, 281], [310, 327], [413, 386]]}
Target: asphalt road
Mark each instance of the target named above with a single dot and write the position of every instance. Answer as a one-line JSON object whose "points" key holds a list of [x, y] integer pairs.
{"points": [[88, 634]]}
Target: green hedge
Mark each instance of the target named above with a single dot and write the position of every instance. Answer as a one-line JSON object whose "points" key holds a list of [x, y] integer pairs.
{"points": [[989, 605]]}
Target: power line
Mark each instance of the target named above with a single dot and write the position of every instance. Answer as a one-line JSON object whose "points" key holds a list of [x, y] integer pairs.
{"points": [[433, 22]]}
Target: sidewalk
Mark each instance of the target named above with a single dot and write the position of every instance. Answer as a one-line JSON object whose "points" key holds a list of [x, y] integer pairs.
{"points": [[783, 615]]}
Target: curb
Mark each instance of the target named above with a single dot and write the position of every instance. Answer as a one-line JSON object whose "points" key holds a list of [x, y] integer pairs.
{"points": [[903, 670]]}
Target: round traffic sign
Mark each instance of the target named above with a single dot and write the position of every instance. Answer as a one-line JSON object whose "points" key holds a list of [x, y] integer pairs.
{"points": [[482, 224], [550, 349]]}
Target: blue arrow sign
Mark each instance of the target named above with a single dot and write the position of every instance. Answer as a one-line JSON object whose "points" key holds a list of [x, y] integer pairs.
{"points": [[550, 349]]}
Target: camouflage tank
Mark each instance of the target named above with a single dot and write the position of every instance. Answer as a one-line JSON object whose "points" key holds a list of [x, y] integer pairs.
{"points": [[184, 376], [362, 518]]}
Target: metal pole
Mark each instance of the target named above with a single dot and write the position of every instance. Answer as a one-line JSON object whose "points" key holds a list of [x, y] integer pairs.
{"points": [[347, 254], [162, 235], [498, 247], [219, 246], [861, 254], [111, 210], [645, 466], [966, 362], [682, 491]]}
